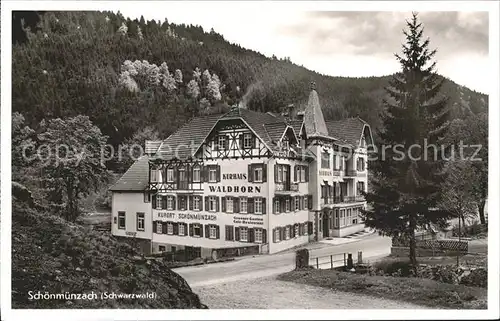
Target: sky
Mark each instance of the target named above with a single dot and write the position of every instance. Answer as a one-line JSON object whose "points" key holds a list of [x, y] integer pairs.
{"points": [[345, 43]]}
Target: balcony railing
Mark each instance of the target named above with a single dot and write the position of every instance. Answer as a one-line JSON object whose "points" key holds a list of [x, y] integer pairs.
{"points": [[341, 200], [350, 173], [287, 187]]}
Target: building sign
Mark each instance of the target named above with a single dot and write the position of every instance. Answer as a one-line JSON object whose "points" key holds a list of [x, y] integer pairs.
{"points": [[248, 220], [130, 233], [235, 176], [188, 216], [323, 172], [234, 189]]}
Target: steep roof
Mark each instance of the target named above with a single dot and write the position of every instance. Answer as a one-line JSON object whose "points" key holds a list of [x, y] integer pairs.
{"points": [[348, 130], [314, 122], [135, 178], [296, 125]]}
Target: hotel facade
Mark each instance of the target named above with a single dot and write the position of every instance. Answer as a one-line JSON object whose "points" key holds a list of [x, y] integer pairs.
{"points": [[246, 182]]}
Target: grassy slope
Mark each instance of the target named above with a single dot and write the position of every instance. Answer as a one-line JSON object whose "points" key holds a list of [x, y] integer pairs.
{"points": [[415, 290], [50, 254]]}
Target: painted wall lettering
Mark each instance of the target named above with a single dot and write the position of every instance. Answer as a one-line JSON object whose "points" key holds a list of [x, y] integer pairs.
{"points": [[234, 189], [248, 220], [235, 176]]}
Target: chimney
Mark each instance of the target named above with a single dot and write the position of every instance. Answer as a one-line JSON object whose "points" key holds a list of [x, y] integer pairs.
{"points": [[287, 112]]}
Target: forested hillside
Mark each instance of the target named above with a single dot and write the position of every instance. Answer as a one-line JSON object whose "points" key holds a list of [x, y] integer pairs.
{"points": [[128, 75]]}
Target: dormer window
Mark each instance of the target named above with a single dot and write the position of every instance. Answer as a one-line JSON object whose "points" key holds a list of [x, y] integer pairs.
{"points": [[170, 175], [222, 142]]}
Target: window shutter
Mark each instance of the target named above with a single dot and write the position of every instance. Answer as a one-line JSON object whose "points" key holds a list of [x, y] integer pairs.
{"points": [[240, 139], [217, 205], [191, 201], [217, 232], [153, 202], [173, 203], [207, 231], [264, 173], [309, 202], [223, 204], [236, 233], [288, 174], [206, 204], [201, 229], [227, 233], [276, 173], [251, 235], [250, 205], [155, 226], [274, 235], [250, 173], [201, 202], [218, 173], [164, 227], [164, 202], [176, 228], [264, 236], [263, 205], [274, 206], [175, 174], [226, 143], [282, 232], [236, 204], [254, 142], [309, 228], [191, 230], [307, 173], [204, 174], [295, 168]]}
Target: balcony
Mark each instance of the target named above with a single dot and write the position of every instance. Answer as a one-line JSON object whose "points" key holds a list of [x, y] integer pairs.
{"points": [[350, 173], [324, 201], [285, 188]]}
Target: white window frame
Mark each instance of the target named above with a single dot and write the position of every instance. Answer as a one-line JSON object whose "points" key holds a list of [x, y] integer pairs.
{"points": [[276, 206], [170, 228], [170, 175], [212, 174], [212, 200], [287, 233], [154, 175], [196, 203], [159, 202], [124, 220], [257, 209], [244, 229], [221, 138], [296, 230], [243, 209], [277, 235], [159, 228], [182, 229], [257, 174], [303, 174], [229, 200], [247, 141], [170, 203], [197, 174], [179, 203], [195, 226], [287, 205], [139, 220], [258, 232], [212, 232]]}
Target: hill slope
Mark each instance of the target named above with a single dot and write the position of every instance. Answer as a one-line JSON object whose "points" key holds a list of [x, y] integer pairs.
{"points": [[72, 64]]}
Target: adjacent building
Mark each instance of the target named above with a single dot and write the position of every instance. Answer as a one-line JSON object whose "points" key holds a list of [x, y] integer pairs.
{"points": [[246, 182]]}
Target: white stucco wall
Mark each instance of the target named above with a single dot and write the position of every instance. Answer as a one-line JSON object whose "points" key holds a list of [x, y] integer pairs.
{"points": [[130, 203]]}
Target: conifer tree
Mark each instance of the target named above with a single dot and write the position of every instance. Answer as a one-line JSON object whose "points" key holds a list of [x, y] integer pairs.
{"points": [[406, 189]]}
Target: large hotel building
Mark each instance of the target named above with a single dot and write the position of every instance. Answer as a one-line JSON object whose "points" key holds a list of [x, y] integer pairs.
{"points": [[246, 182]]}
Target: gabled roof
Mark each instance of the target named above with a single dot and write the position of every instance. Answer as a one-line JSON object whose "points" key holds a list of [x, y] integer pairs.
{"points": [[135, 178], [348, 130], [275, 131], [296, 125], [152, 146], [314, 122]]}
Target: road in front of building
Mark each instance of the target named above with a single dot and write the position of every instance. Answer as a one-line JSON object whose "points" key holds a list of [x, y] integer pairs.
{"points": [[260, 266]]}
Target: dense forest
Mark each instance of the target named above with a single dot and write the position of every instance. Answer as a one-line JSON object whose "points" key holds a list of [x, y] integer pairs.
{"points": [[127, 75]]}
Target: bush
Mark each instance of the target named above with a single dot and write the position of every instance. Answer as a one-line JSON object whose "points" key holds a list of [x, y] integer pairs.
{"points": [[393, 267]]}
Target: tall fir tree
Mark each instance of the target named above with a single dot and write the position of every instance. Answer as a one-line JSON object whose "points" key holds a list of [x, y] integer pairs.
{"points": [[406, 188]]}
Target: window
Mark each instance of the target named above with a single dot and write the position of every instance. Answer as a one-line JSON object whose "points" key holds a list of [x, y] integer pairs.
{"points": [[277, 235], [276, 206], [162, 248], [285, 174], [243, 204], [325, 159], [287, 232], [361, 187], [258, 205], [336, 219], [182, 229], [147, 198], [258, 235], [196, 203], [247, 141], [280, 173], [170, 228], [305, 227], [159, 204], [159, 228], [170, 202], [170, 175], [140, 221], [306, 206], [257, 174], [212, 174], [296, 230], [212, 232], [303, 177], [229, 233], [243, 234], [212, 203], [335, 162], [297, 203], [121, 220], [197, 230], [154, 175], [287, 205], [182, 203], [229, 204], [197, 174], [222, 142]]}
